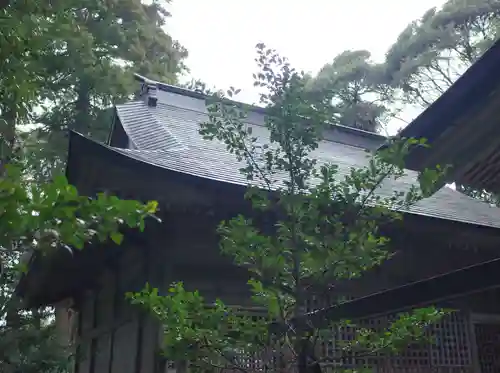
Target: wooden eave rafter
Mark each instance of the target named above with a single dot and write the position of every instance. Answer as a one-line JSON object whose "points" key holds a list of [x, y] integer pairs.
{"points": [[471, 147], [460, 122], [483, 171]]}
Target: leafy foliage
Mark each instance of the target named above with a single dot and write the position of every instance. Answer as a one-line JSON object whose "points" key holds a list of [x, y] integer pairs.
{"points": [[62, 62], [48, 215], [41, 219], [432, 52], [199, 332], [32, 346], [28, 339], [25, 36], [360, 97], [325, 228], [429, 55]]}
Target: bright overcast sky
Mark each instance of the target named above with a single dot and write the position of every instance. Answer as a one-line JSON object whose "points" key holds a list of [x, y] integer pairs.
{"points": [[220, 35]]}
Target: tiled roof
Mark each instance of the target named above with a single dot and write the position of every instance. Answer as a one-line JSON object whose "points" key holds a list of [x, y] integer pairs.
{"points": [[147, 132], [167, 136]]}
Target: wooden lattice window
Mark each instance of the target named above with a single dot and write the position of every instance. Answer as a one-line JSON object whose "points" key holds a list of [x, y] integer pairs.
{"points": [[488, 346], [450, 352], [452, 345]]}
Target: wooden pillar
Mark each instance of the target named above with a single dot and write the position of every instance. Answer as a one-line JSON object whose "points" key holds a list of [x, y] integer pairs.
{"points": [[473, 342], [65, 321]]}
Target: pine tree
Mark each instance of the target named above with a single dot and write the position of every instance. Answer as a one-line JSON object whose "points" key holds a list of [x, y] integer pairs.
{"points": [[360, 98], [432, 52]]}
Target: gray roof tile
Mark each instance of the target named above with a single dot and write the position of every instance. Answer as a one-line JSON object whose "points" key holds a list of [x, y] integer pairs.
{"points": [[167, 136], [147, 132]]}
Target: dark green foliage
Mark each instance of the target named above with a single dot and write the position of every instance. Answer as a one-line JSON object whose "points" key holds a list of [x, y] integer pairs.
{"points": [[427, 57], [46, 50], [26, 29], [83, 63], [432, 52], [28, 341], [76, 58], [38, 219], [359, 97]]}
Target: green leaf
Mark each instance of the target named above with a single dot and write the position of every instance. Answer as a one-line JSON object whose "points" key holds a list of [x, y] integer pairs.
{"points": [[116, 237]]}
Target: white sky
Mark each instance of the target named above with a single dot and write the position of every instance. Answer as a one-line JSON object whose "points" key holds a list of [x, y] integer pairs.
{"points": [[220, 35]]}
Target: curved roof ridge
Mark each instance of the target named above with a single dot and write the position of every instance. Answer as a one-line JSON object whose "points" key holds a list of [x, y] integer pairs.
{"points": [[254, 108]]}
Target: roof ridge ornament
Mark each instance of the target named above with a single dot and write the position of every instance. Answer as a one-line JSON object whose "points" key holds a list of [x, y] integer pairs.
{"points": [[148, 92]]}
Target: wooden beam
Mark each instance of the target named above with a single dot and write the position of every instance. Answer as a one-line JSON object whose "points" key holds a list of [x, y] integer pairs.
{"points": [[436, 290]]}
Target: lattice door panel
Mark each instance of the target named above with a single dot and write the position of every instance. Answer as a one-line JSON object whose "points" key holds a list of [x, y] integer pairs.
{"points": [[488, 346]]}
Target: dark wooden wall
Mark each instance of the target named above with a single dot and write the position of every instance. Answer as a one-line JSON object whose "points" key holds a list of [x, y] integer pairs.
{"points": [[197, 262], [115, 337]]}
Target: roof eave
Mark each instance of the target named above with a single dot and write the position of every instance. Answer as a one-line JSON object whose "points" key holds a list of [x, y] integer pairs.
{"points": [[467, 95], [437, 290], [470, 89], [220, 187]]}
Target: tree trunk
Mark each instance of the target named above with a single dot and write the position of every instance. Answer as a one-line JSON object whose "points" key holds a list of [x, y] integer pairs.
{"points": [[181, 366], [8, 120], [307, 361], [82, 108]]}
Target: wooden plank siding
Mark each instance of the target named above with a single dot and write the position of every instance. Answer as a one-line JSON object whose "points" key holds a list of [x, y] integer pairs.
{"points": [[114, 336]]}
